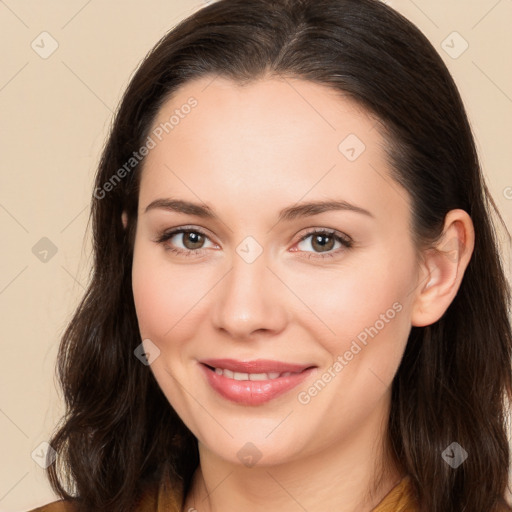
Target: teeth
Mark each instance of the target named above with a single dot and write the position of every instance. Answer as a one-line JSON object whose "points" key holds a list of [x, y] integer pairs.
{"points": [[258, 376], [228, 373], [250, 376]]}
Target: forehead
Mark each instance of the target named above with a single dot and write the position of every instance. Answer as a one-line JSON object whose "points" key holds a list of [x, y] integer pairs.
{"points": [[280, 110], [286, 137]]}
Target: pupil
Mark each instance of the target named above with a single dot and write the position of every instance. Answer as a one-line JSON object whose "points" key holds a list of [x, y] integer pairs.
{"points": [[318, 238], [196, 236]]}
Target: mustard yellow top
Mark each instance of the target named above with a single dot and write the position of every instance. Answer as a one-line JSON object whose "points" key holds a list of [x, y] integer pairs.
{"points": [[169, 498]]}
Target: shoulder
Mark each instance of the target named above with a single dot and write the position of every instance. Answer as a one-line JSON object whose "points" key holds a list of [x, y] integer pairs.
{"points": [[162, 492], [57, 506], [400, 499]]}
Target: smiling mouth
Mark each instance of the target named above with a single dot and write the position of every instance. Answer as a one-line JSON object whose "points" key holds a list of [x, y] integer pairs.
{"points": [[250, 376], [254, 386]]}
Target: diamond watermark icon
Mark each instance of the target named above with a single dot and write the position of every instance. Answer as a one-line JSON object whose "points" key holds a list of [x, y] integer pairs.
{"points": [[454, 45], [452, 248], [44, 250], [249, 249], [44, 45], [454, 455], [44, 455], [351, 147], [249, 455], [146, 352]]}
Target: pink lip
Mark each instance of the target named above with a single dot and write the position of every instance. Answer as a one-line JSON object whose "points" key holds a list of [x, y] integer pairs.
{"points": [[255, 392]]}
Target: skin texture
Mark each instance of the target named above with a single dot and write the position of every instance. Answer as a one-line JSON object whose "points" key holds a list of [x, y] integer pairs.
{"points": [[249, 151]]}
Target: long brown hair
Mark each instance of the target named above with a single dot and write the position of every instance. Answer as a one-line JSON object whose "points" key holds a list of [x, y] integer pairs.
{"points": [[454, 381]]}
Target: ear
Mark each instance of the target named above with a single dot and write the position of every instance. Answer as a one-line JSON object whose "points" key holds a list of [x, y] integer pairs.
{"points": [[442, 269], [124, 219]]}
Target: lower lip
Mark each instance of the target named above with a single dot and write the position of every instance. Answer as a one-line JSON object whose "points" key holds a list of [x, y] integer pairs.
{"points": [[253, 392]]}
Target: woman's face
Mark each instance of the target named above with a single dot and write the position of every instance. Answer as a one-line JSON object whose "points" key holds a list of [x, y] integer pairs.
{"points": [[261, 285]]}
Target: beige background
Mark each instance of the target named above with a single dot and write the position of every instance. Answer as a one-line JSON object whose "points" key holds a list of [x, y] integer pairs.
{"points": [[55, 117]]}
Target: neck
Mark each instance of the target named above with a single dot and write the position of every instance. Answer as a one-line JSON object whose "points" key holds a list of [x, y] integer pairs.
{"points": [[346, 477]]}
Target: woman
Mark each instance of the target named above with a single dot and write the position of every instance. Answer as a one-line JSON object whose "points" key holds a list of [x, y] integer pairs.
{"points": [[297, 299]]}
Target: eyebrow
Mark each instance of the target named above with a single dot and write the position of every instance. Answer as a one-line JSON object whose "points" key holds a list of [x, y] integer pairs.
{"points": [[290, 213]]}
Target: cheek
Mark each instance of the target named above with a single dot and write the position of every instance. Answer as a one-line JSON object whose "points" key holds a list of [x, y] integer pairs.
{"points": [[369, 314], [154, 293], [162, 301], [364, 312], [347, 300], [151, 302], [167, 296]]}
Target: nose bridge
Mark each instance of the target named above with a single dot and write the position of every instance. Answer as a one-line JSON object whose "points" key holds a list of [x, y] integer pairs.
{"points": [[249, 300]]}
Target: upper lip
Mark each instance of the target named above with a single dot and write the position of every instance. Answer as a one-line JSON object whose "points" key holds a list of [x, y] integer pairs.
{"points": [[255, 366]]}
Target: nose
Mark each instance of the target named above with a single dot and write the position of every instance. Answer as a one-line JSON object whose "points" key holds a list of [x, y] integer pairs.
{"points": [[250, 301]]}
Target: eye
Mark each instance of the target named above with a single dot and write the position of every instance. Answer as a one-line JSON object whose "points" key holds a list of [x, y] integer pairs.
{"points": [[323, 241], [192, 239]]}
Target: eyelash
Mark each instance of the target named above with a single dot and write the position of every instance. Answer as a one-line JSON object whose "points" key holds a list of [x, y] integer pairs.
{"points": [[345, 241]]}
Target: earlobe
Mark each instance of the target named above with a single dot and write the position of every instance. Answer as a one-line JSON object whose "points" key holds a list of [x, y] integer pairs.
{"points": [[124, 219], [442, 269]]}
